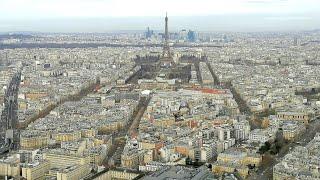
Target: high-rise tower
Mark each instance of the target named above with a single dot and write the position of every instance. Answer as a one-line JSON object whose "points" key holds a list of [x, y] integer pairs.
{"points": [[166, 59]]}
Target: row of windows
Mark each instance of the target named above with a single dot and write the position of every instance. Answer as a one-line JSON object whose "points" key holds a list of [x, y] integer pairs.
{"points": [[292, 116]]}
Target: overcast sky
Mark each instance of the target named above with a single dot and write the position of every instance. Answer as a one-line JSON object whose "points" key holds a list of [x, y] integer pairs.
{"points": [[82, 15]]}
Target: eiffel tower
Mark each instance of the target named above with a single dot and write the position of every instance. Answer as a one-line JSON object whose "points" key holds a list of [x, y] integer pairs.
{"points": [[166, 60]]}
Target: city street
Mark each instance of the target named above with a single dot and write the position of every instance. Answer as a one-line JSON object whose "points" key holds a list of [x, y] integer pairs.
{"points": [[9, 117], [305, 138]]}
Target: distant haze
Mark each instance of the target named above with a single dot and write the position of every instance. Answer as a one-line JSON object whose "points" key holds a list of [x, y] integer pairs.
{"points": [[199, 15]]}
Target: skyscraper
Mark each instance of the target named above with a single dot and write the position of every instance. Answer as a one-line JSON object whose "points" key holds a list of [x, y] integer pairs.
{"points": [[191, 36], [149, 33], [295, 41]]}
